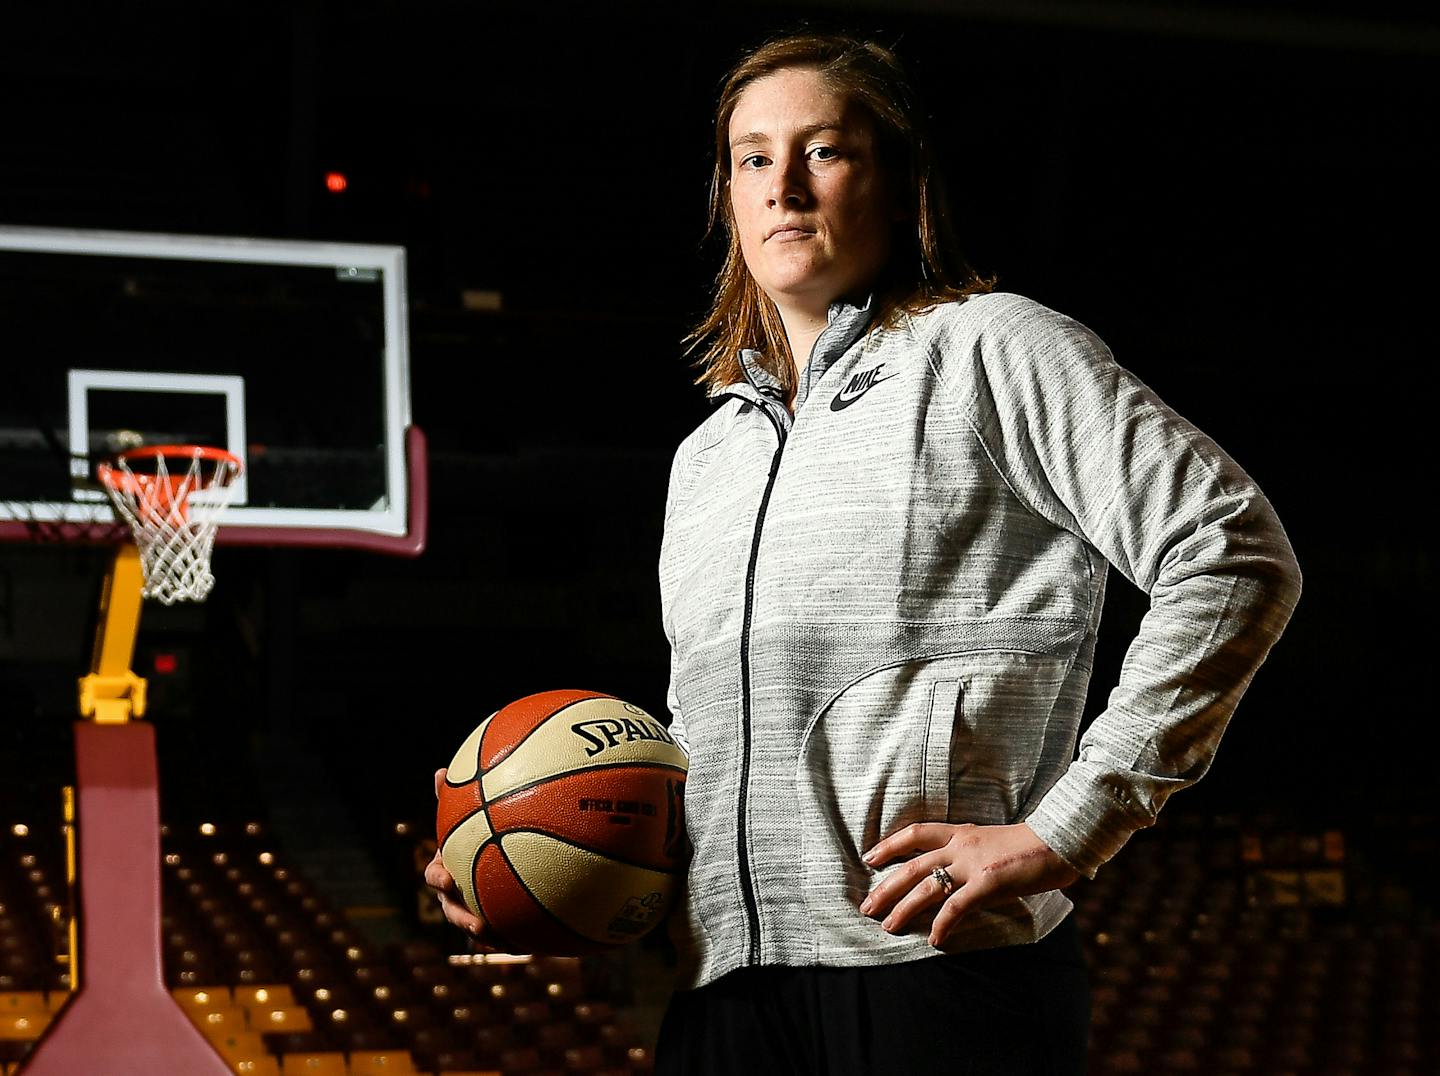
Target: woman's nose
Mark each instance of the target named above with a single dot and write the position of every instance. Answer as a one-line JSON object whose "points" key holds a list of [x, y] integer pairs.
{"points": [[787, 183]]}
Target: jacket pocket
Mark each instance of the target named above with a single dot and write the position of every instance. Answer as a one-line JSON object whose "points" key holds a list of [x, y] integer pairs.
{"points": [[997, 749], [954, 737], [947, 701], [878, 756]]}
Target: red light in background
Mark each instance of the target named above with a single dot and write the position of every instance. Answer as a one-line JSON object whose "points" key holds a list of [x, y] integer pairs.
{"points": [[165, 664], [335, 182]]}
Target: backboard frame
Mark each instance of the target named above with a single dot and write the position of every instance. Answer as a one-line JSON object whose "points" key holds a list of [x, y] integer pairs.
{"points": [[396, 527]]}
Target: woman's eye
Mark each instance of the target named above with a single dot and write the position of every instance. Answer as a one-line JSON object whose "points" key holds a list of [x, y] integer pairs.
{"points": [[755, 160], [824, 153]]}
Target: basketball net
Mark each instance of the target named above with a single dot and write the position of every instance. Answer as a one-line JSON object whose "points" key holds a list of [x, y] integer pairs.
{"points": [[154, 490]]}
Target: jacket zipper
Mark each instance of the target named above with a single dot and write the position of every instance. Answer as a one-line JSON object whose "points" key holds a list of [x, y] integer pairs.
{"points": [[747, 883]]}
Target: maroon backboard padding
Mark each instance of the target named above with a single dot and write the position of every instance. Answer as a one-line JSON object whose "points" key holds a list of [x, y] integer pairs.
{"points": [[19, 530], [123, 1020], [409, 544]]}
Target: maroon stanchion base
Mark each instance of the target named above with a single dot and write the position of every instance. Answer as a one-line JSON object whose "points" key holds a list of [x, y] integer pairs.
{"points": [[123, 1020]]}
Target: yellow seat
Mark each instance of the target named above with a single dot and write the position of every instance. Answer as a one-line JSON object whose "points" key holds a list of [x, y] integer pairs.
{"points": [[281, 1018], [218, 1022], [381, 1063], [26, 1001], [237, 1046], [325, 1064], [23, 1026], [256, 1066], [253, 997], [202, 998]]}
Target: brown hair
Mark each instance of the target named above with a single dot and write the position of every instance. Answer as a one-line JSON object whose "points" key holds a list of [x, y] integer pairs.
{"points": [[924, 268]]}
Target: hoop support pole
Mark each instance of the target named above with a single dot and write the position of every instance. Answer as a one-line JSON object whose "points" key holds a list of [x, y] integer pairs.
{"points": [[122, 1020], [111, 694]]}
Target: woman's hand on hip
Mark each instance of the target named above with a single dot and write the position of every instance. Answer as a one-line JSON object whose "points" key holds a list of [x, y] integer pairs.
{"points": [[985, 864], [452, 904]]}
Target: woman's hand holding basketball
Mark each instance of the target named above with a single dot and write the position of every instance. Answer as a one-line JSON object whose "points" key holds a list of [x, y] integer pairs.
{"points": [[452, 904], [987, 864]]}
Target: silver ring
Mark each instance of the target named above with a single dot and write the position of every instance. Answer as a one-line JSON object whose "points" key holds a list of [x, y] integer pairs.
{"points": [[943, 880]]}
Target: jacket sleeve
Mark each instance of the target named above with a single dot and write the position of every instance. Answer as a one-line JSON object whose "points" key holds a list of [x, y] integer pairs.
{"points": [[1093, 450], [672, 700], [668, 558]]}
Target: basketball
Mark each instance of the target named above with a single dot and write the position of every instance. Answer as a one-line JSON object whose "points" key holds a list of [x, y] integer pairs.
{"points": [[561, 820]]}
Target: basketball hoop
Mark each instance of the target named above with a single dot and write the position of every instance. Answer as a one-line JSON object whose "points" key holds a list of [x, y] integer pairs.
{"points": [[173, 508]]}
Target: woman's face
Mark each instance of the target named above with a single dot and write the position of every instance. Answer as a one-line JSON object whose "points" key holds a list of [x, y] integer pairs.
{"points": [[809, 202]]}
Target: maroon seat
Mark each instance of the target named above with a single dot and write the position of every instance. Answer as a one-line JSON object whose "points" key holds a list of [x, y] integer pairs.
{"points": [[419, 953], [434, 1040], [390, 996], [318, 996], [449, 1059], [298, 1042], [253, 967], [427, 975], [521, 1059], [410, 1019], [556, 1037], [532, 1013], [369, 976], [467, 1014], [594, 1012], [494, 1038], [584, 1058], [356, 1040]]}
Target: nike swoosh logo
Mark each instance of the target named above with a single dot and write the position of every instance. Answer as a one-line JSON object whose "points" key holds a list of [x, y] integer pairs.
{"points": [[852, 392]]}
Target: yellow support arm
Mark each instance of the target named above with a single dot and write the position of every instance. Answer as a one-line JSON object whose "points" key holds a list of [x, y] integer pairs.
{"points": [[112, 693]]}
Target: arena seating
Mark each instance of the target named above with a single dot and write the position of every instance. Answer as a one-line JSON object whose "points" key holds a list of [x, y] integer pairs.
{"points": [[1217, 946], [1232, 945], [281, 983]]}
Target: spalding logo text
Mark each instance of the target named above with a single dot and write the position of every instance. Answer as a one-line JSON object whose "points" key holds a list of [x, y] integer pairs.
{"points": [[609, 731]]}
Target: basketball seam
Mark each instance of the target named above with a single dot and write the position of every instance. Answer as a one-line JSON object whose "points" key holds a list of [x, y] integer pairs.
{"points": [[479, 744], [465, 818], [601, 852], [506, 947], [582, 769], [490, 824], [535, 898], [479, 848], [538, 725]]}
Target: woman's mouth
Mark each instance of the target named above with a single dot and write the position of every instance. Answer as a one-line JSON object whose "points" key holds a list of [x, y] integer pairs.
{"points": [[787, 233]]}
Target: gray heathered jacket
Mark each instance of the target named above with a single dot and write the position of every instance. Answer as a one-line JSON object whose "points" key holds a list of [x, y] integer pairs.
{"points": [[884, 611]]}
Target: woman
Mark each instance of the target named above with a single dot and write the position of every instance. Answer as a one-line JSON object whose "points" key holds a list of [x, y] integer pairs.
{"points": [[882, 574]]}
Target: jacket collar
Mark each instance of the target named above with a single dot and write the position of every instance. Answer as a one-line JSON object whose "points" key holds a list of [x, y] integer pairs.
{"points": [[845, 322], [759, 378]]}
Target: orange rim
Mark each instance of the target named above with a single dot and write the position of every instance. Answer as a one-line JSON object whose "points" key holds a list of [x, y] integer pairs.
{"points": [[188, 452], [227, 467], [134, 483]]}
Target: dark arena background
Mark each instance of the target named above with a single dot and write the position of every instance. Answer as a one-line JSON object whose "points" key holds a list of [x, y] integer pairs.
{"points": [[1238, 197]]}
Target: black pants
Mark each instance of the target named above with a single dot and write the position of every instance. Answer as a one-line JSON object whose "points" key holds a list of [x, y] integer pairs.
{"points": [[1020, 1010]]}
